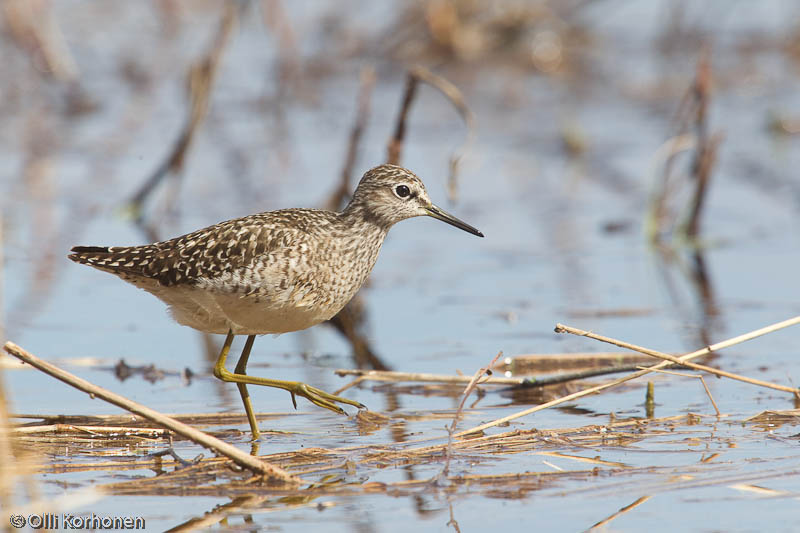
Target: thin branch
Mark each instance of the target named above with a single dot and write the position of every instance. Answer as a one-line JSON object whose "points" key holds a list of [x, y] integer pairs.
{"points": [[212, 443], [592, 390], [560, 328]]}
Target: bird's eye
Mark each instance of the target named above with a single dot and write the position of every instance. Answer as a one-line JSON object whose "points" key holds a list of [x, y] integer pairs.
{"points": [[402, 191]]}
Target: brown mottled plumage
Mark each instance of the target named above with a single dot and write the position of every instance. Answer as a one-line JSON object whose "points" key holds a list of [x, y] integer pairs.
{"points": [[272, 272]]}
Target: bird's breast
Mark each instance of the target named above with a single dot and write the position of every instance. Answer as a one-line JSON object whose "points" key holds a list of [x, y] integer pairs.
{"points": [[289, 290]]}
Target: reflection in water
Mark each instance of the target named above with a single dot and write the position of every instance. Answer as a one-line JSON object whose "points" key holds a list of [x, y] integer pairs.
{"points": [[201, 78], [350, 322], [703, 320], [452, 522], [39, 196], [705, 295], [650, 400], [539, 395], [150, 373], [239, 506]]}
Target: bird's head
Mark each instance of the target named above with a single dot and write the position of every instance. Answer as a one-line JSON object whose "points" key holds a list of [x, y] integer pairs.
{"points": [[388, 194]]}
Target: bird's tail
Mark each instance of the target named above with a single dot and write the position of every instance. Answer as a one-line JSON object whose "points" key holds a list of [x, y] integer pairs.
{"points": [[116, 259]]}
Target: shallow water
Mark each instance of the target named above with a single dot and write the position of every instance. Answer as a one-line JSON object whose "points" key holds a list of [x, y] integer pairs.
{"points": [[439, 300]]}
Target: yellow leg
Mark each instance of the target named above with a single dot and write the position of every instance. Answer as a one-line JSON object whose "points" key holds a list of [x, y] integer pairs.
{"points": [[295, 388], [241, 368]]}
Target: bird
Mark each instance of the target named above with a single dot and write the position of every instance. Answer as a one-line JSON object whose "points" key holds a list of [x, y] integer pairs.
{"points": [[272, 272]]}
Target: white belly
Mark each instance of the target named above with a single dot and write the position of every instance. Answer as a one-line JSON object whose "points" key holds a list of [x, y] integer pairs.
{"points": [[216, 312], [244, 315]]}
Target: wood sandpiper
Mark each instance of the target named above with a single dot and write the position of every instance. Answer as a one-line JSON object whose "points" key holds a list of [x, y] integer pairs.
{"points": [[272, 272]]}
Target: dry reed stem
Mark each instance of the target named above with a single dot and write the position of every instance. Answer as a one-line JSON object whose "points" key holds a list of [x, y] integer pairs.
{"points": [[197, 419], [560, 328], [760, 491], [592, 390], [620, 512], [215, 486], [692, 115], [108, 466], [513, 481], [690, 480], [390, 376], [316, 460], [580, 459], [104, 431], [503, 442], [540, 363], [212, 476], [205, 440], [551, 465], [773, 416]]}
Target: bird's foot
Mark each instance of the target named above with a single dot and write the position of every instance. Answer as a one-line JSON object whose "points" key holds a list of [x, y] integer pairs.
{"points": [[295, 388], [319, 397]]}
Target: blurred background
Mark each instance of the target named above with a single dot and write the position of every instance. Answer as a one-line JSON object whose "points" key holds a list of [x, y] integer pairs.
{"points": [[632, 165]]}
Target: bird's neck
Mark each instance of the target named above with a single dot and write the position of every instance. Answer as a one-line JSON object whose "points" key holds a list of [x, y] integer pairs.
{"points": [[361, 219], [359, 240], [361, 234]]}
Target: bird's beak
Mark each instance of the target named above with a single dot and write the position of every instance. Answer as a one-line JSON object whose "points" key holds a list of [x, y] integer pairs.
{"points": [[434, 211]]}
